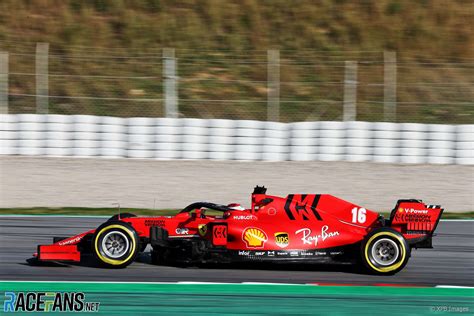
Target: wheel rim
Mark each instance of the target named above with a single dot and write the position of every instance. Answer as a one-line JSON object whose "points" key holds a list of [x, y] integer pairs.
{"points": [[385, 252], [115, 244]]}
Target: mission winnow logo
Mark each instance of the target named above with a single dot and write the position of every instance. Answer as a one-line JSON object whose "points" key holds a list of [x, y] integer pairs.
{"points": [[48, 302]]}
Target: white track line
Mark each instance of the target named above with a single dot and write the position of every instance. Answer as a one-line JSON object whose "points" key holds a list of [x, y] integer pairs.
{"points": [[211, 283], [453, 287]]}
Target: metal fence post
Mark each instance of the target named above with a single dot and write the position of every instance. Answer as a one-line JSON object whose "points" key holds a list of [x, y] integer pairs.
{"points": [[171, 97], [390, 86], [3, 83], [350, 91], [273, 85], [42, 83]]}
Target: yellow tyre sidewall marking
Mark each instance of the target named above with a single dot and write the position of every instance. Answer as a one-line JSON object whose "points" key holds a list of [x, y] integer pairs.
{"points": [[113, 261], [392, 267]]}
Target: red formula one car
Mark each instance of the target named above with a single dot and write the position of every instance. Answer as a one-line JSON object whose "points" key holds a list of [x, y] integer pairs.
{"points": [[297, 228]]}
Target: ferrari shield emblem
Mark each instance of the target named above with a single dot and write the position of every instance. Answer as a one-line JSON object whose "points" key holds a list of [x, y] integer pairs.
{"points": [[282, 239], [202, 228]]}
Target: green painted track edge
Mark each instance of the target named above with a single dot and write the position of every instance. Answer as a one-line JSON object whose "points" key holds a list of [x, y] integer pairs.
{"points": [[231, 289]]}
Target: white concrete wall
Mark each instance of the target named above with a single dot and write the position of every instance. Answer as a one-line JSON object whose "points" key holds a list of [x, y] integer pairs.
{"points": [[142, 183], [165, 138]]}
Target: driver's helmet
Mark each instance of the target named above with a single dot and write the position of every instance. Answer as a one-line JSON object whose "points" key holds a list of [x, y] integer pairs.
{"points": [[236, 207]]}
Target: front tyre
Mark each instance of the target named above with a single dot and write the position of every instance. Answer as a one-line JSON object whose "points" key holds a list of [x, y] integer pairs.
{"points": [[115, 244], [385, 251]]}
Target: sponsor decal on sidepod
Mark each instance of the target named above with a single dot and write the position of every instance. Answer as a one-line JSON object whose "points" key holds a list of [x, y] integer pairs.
{"points": [[309, 239], [282, 239], [182, 231], [254, 237]]}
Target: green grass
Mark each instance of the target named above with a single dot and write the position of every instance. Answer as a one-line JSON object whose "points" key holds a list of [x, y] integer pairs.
{"points": [[221, 50], [112, 211]]}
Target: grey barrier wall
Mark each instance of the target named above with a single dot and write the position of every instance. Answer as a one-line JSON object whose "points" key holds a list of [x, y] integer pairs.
{"points": [[58, 160], [170, 138]]}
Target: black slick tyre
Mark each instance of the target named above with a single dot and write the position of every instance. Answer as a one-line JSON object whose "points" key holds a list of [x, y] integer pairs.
{"points": [[115, 244], [384, 251]]}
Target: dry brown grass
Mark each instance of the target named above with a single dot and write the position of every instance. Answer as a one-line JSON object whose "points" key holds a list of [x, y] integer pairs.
{"points": [[216, 38]]}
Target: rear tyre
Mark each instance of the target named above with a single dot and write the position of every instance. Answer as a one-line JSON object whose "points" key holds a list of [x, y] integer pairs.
{"points": [[384, 251], [115, 244]]}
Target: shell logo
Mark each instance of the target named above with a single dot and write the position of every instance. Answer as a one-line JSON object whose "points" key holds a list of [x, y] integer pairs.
{"points": [[254, 237], [400, 210]]}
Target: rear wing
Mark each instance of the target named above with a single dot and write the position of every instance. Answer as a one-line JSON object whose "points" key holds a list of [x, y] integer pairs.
{"points": [[414, 218]]}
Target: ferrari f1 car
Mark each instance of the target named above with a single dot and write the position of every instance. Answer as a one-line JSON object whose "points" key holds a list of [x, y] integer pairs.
{"points": [[318, 228]]}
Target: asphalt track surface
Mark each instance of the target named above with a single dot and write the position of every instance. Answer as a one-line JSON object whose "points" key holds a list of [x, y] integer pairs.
{"points": [[451, 262]]}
